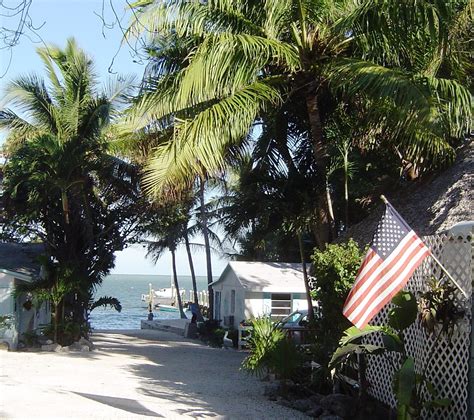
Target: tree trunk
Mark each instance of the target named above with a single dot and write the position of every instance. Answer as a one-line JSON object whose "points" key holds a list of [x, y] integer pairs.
{"points": [[191, 268], [346, 188], [207, 246], [176, 285], [320, 155], [305, 277], [56, 322]]}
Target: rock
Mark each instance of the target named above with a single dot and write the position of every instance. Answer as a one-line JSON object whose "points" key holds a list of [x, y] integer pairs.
{"points": [[50, 347], [284, 402], [84, 342], [316, 398], [302, 405], [315, 412], [84, 349], [48, 342], [272, 391], [339, 404], [65, 349], [4, 346]]}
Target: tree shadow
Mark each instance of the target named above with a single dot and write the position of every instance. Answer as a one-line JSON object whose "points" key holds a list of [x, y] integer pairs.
{"points": [[189, 377], [125, 404]]}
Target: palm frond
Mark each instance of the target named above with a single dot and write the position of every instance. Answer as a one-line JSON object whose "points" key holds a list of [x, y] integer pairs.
{"points": [[199, 144]]}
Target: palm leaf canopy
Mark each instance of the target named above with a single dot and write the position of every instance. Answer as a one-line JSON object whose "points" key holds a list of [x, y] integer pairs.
{"points": [[68, 105], [236, 60]]}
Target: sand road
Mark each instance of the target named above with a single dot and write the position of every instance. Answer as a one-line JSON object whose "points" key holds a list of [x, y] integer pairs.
{"points": [[133, 374]]}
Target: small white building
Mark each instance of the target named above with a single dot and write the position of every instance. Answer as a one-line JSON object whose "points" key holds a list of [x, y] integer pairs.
{"points": [[247, 290], [18, 264]]}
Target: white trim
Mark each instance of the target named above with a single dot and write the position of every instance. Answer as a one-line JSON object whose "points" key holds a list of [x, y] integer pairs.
{"points": [[19, 276]]}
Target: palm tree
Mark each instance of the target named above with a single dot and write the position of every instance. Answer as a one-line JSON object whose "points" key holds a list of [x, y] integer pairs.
{"points": [[166, 225], [60, 184], [245, 57]]}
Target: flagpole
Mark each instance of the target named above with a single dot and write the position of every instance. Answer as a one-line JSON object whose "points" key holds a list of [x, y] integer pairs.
{"points": [[450, 277]]}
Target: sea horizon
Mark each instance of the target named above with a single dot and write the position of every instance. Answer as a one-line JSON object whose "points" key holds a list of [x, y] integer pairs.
{"points": [[128, 289]]}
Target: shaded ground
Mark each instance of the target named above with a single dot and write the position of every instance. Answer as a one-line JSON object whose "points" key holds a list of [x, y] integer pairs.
{"points": [[133, 374]]}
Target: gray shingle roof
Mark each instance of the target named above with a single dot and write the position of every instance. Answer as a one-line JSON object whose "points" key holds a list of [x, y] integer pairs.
{"points": [[20, 258]]}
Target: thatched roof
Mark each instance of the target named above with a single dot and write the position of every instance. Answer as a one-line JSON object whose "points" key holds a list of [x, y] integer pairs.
{"points": [[430, 206], [20, 258]]}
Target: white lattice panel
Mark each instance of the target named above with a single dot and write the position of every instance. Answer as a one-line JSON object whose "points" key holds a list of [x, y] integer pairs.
{"points": [[449, 366]]}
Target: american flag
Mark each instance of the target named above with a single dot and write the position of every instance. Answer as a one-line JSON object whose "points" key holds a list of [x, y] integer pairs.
{"points": [[395, 253]]}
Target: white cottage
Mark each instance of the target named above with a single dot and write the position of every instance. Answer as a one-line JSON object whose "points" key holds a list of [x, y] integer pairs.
{"points": [[248, 290], [18, 264]]}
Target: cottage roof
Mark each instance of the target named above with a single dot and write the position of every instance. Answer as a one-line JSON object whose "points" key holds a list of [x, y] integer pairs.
{"points": [[20, 258], [430, 206], [273, 277]]}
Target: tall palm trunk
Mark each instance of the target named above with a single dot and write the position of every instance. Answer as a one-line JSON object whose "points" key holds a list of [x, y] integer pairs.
{"points": [[325, 215], [207, 246], [305, 278], [176, 285], [191, 268], [346, 188]]}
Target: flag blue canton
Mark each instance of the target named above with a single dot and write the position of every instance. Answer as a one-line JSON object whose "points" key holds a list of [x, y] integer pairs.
{"points": [[390, 232]]}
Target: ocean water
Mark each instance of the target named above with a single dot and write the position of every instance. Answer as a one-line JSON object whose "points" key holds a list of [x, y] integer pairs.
{"points": [[128, 288]]}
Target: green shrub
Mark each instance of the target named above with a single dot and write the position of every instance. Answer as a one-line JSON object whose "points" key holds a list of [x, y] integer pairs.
{"points": [[335, 270], [210, 332], [271, 351]]}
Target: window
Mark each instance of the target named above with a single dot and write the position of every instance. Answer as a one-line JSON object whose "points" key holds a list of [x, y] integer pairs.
{"points": [[281, 305], [232, 302]]}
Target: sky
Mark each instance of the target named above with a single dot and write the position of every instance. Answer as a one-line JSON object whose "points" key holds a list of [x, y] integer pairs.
{"points": [[58, 20]]}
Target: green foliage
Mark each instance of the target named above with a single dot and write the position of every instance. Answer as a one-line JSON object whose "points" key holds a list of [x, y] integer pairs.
{"points": [[334, 270], [271, 351], [404, 311], [60, 185], [210, 332], [106, 301], [438, 306]]}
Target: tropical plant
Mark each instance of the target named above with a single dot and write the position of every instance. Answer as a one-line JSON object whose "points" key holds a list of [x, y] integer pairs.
{"points": [[438, 307], [106, 301], [230, 62], [166, 226], [270, 351], [334, 271], [60, 185]]}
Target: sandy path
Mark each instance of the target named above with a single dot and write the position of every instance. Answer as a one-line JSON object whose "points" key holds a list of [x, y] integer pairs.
{"points": [[133, 374]]}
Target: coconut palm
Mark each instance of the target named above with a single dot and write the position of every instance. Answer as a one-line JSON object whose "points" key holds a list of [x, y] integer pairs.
{"points": [[166, 226], [60, 184], [245, 57]]}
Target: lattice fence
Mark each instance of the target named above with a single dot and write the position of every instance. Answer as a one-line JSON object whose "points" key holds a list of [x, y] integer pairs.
{"points": [[449, 365]]}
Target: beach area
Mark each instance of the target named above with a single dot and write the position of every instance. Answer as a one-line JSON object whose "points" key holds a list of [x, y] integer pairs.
{"points": [[133, 374]]}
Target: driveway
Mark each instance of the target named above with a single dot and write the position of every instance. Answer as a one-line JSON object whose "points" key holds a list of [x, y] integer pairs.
{"points": [[133, 374]]}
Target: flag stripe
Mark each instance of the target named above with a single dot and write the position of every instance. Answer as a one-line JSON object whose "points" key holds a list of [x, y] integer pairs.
{"points": [[392, 289], [371, 262], [388, 271], [372, 277], [364, 280]]}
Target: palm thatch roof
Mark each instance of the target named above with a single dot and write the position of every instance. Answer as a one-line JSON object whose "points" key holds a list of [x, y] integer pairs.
{"points": [[430, 206]]}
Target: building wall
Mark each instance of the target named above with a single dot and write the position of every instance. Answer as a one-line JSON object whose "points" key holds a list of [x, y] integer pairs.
{"points": [[225, 287], [7, 307], [248, 305], [23, 320]]}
